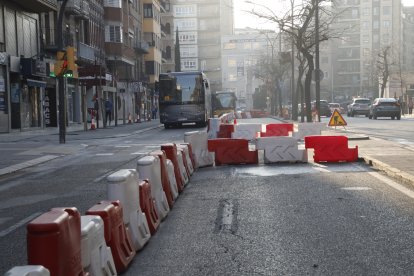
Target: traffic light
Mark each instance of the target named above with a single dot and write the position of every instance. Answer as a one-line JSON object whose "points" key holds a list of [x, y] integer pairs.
{"points": [[72, 70], [61, 63]]}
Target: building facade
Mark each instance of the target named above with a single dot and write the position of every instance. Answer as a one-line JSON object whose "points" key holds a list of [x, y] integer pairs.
{"points": [[201, 24], [367, 27]]}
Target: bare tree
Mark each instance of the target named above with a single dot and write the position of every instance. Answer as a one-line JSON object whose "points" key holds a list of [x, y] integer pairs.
{"points": [[301, 30], [383, 67]]}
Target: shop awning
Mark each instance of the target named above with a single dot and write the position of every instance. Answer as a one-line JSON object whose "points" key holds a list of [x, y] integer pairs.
{"points": [[37, 83]]}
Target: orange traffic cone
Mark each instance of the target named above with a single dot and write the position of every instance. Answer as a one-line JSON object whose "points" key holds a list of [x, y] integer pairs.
{"points": [[235, 121]]}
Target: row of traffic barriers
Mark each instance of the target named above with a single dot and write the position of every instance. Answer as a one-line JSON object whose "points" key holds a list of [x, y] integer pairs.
{"points": [[232, 143], [105, 240]]}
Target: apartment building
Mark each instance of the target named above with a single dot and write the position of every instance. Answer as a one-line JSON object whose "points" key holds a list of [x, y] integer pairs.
{"points": [[367, 27], [201, 24]]}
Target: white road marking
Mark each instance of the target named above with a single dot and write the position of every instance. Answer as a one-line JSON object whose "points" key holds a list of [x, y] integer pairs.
{"points": [[18, 224], [123, 146], [105, 154], [393, 184], [356, 188]]}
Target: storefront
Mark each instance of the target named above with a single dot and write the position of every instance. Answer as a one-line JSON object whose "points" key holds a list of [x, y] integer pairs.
{"points": [[4, 102]]}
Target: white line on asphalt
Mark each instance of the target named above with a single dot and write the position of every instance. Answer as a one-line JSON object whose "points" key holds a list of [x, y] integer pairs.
{"points": [[17, 225], [123, 146], [393, 184], [105, 154]]}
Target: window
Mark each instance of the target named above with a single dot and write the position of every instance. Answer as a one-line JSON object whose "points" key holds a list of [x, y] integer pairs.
{"points": [[189, 51], [365, 38], [113, 34], [229, 46], [186, 24], [375, 24], [188, 38], [375, 11], [189, 65], [181, 10], [147, 10], [386, 10], [231, 62], [365, 11], [365, 25], [113, 3], [355, 13], [386, 24]]}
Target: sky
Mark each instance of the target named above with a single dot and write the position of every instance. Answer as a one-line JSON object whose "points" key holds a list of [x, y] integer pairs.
{"points": [[244, 19]]}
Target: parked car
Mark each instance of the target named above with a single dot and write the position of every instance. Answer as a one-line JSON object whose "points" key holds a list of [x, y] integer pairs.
{"points": [[359, 106], [336, 106], [385, 107]]}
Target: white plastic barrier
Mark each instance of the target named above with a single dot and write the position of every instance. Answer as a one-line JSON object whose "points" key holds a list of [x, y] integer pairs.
{"points": [[149, 167], [181, 166], [187, 157], [246, 131], [281, 149], [214, 127], [123, 186], [199, 145], [171, 177], [28, 270], [308, 129], [96, 255]]}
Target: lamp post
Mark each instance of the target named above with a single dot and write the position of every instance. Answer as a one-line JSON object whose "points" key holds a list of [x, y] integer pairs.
{"points": [[62, 102]]}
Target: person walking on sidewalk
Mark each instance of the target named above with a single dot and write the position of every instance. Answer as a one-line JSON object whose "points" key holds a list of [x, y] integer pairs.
{"points": [[154, 112], [108, 111], [410, 106]]}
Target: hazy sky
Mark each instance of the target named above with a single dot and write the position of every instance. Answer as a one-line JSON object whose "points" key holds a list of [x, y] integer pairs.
{"points": [[244, 19]]}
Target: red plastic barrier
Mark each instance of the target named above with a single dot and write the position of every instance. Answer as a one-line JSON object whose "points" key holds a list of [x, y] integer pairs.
{"points": [[232, 151], [116, 235], [170, 150], [331, 149], [190, 151], [54, 241], [277, 130], [164, 176], [147, 204], [225, 131]]}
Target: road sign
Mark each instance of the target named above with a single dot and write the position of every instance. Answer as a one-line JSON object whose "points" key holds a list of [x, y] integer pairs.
{"points": [[337, 119]]}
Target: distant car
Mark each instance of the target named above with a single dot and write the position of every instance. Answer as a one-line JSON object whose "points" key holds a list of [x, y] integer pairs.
{"points": [[359, 106], [385, 107], [336, 106], [323, 108]]}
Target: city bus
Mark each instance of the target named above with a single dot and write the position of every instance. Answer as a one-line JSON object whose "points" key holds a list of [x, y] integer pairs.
{"points": [[223, 102], [184, 97]]}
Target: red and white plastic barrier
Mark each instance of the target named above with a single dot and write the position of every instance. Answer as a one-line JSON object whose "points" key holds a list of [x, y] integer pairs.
{"points": [[213, 127], [171, 177], [97, 257], [308, 129], [181, 167], [149, 168], [164, 176], [281, 149], [116, 235], [186, 158], [28, 270], [53, 238], [172, 154], [123, 186], [246, 131], [198, 141]]}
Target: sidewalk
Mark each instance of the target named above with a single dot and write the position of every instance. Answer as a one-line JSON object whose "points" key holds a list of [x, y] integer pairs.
{"points": [[394, 159], [77, 130]]}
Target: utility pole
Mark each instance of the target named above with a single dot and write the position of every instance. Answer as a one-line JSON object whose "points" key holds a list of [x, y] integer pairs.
{"points": [[61, 90], [317, 69], [294, 96]]}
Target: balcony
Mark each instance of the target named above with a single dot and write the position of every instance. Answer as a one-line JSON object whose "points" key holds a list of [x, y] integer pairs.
{"points": [[84, 11], [38, 6], [74, 7], [141, 47], [86, 52]]}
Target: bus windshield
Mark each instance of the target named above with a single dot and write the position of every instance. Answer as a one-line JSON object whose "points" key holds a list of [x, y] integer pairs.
{"points": [[182, 89], [225, 100]]}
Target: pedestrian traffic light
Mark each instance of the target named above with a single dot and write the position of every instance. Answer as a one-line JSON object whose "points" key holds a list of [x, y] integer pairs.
{"points": [[72, 70], [60, 64]]}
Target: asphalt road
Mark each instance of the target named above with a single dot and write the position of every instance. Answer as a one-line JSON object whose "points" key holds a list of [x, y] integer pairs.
{"points": [[290, 219]]}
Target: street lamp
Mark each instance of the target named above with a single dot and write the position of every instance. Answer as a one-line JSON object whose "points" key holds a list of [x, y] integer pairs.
{"points": [[62, 104]]}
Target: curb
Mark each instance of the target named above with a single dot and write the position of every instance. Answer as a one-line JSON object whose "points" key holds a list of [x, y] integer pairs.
{"points": [[388, 170]]}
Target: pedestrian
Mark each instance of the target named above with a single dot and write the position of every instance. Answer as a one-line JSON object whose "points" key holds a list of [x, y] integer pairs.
{"points": [[108, 111], [410, 106], [154, 112]]}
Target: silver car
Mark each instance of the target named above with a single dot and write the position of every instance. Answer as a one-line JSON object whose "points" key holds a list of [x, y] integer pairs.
{"points": [[385, 107], [359, 106]]}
